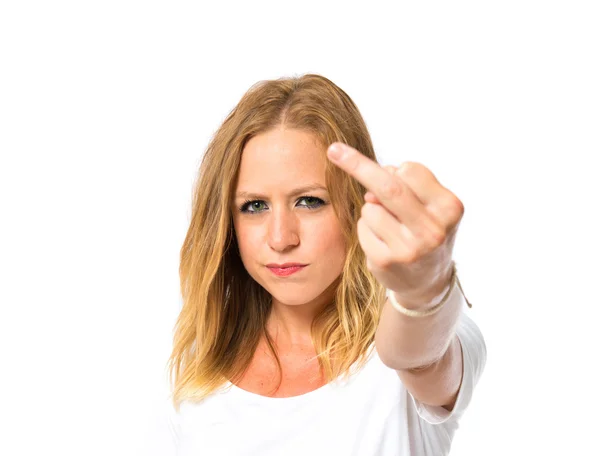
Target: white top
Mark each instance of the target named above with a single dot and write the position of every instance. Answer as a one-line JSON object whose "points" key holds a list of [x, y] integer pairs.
{"points": [[370, 414]]}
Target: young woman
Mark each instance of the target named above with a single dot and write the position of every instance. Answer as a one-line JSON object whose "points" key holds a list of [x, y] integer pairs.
{"points": [[322, 314]]}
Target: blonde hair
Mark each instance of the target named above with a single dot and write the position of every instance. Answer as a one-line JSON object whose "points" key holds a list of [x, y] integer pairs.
{"points": [[224, 310]]}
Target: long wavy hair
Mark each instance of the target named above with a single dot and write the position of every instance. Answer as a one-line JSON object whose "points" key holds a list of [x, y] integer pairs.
{"points": [[224, 309]]}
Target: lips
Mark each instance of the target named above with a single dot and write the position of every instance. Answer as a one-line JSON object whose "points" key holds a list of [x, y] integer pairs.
{"points": [[287, 271], [284, 265]]}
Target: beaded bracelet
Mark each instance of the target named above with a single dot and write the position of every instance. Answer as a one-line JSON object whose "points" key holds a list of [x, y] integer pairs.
{"points": [[424, 313]]}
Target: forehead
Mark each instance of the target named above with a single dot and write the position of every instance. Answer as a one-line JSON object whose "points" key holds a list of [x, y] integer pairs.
{"points": [[282, 157]]}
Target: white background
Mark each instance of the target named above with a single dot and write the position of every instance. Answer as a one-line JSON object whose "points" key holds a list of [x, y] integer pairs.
{"points": [[106, 109]]}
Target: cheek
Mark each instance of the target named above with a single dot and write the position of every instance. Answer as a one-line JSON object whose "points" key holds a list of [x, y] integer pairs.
{"points": [[248, 240], [242, 237], [328, 237]]}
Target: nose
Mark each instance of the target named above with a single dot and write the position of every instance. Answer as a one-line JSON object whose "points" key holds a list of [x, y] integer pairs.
{"points": [[283, 230]]}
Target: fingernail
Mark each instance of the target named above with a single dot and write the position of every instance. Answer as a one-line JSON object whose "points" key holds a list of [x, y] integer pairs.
{"points": [[335, 151]]}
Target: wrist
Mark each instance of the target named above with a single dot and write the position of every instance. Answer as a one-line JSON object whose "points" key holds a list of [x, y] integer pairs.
{"points": [[428, 297], [425, 302]]}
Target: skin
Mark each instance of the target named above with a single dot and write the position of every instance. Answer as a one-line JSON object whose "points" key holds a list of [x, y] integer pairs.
{"points": [[280, 227], [407, 230]]}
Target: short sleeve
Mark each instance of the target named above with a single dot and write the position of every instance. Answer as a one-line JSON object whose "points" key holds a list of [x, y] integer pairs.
{"points": [[161, 437], [474, 354]]}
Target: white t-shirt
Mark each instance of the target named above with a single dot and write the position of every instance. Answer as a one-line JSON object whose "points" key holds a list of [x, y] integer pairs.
{"points": [[370, 414]]}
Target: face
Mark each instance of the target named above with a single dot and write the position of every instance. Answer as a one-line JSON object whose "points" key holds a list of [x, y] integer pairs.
{"points": [[278, 224]]}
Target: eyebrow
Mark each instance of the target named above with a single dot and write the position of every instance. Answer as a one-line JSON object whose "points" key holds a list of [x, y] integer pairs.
{"points": [[297, 191]]}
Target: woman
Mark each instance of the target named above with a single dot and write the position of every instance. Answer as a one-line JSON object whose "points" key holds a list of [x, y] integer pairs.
{"points": [[363, 347]]}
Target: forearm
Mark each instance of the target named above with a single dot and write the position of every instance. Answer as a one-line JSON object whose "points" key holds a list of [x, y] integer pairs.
{"points": [[405, 342], [439, 383]]}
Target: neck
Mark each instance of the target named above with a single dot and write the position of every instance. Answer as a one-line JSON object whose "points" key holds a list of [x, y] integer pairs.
{"points": [[290, 325]]}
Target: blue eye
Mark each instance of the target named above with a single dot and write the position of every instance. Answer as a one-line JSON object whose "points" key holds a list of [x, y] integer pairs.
{"points": [[318, 203]]}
